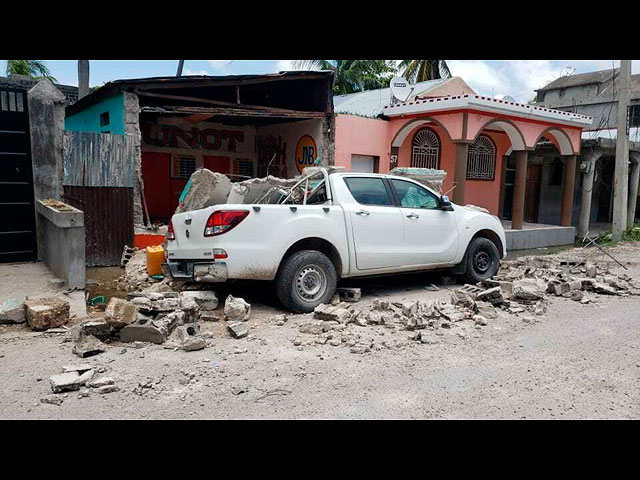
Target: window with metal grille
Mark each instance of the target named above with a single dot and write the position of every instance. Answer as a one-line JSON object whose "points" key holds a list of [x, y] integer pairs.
{"points": [[426, 149], [243, 169], [481, 160], [182, 166]]}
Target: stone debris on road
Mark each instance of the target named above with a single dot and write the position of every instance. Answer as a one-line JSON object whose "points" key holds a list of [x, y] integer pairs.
{"points": [[46, 313], [236, 309]]}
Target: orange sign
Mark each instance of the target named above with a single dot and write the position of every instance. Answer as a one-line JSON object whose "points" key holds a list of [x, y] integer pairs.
{"points": [[306, 153]]}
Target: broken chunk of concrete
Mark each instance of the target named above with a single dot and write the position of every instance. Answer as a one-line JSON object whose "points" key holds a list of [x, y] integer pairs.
{"points": [[529, 289], [236, 309], [120, 313], [12, 311], [98, 328], [100, 382], [47, 313], [238, 329], [143, 332], [52, 400], [88, 345], [331, 313], [107, 389], [69, 381], [204, 299], [491, 295], [205, 188]]}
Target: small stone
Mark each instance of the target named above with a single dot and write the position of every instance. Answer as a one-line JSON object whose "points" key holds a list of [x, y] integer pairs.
{"points": [[359, 349], [100, 382], [88, 345], [480, 320], [107, 389], [52, 400]]}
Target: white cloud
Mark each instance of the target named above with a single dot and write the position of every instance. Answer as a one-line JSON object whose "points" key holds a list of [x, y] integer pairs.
{"points": [[482, 77], [220, 66], [192, 72], [283, 65]]}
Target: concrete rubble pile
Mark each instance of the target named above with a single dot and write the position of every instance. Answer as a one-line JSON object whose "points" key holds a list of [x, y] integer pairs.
{"points": [[529, 279]]}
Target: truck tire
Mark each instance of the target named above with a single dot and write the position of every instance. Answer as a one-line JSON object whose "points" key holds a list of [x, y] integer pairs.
{"points": [[482, 260], [306, 279]]}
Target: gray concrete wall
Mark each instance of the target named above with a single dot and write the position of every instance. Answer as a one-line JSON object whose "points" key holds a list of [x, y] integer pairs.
{"points": [[132, 127], [46, 117], [63, 249]]}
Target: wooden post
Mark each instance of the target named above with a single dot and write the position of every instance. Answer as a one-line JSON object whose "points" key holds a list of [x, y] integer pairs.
{"points": [[568, 185], [517, 208], [460, 173]]}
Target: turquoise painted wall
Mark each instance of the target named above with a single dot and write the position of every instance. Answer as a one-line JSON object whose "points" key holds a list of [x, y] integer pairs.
{"points": [[88, 120]]}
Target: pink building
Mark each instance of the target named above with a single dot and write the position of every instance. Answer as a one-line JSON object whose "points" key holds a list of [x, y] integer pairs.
{"points": [[482, 143]]}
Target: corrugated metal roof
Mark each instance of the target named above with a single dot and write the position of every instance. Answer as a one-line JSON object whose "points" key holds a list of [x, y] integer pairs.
{"points": [[371, 102], [580, 79]]}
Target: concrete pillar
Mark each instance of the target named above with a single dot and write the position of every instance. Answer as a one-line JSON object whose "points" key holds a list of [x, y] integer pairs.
{"points": [[519, 187], [634, 177], [132, 127], [586, 195], [46, 122], [460, 173], [568, 187]]}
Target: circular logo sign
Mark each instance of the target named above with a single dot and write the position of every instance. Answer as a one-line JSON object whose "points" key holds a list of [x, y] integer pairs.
{"points": [[306, 153]]}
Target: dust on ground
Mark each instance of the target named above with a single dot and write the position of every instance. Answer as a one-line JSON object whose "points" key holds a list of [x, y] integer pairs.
{"points": [[574, 361]]}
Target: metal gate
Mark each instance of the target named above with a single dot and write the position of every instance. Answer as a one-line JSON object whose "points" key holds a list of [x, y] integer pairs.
{"points": [[17, 212]]}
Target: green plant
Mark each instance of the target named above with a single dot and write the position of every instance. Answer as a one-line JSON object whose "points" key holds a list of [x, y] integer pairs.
{"points": [[354, 75], [631, 234], [31, 68]]}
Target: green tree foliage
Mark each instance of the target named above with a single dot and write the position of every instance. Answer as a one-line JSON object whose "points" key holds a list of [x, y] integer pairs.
{"points": [[31, 68], [423, 70], [353, 75]]}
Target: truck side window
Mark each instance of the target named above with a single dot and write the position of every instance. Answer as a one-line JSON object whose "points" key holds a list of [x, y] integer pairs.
{"points": [[368, 191], [413, 196]]}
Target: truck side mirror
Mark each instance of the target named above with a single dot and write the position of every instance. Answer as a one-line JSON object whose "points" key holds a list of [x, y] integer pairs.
{"points": [[445, 203]]}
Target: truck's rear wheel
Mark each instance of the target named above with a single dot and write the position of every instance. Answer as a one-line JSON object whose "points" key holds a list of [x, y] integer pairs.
{"points": [[306, 279], [482, 260]]}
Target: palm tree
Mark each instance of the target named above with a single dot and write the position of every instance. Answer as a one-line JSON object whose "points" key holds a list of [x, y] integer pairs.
{"points": [[353, 75], [83, 78], [31, 68], [422, 70]]}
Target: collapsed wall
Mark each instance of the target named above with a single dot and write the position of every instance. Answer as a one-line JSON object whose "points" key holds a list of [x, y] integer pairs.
{"points": [[204, 188]]}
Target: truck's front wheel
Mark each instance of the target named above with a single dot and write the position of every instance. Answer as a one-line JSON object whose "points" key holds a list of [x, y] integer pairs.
{"points": [[482, 260], [306, 279]]}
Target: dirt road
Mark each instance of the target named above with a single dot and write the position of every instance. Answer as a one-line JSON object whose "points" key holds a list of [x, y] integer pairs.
{"points": [[576, 361]]}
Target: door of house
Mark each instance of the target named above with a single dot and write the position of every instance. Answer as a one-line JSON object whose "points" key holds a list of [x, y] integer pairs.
{"points": [[17, 228], [532, 193]]}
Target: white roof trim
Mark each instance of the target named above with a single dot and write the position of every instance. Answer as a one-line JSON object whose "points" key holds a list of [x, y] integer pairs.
{"points": [[487, 104]]}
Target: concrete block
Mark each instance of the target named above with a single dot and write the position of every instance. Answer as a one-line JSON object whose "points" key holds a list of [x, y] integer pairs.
{"points": [[12, 311], [88, 345], [120, 313], [349, 294], [47, 313], [238, 329], [142, 333]]}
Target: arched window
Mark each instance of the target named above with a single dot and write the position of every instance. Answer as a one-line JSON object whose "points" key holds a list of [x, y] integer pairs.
{"points": [[481, 160], [426, 149]]}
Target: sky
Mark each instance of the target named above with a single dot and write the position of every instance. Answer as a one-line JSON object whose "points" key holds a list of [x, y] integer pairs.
{"points": [[517, 78]]}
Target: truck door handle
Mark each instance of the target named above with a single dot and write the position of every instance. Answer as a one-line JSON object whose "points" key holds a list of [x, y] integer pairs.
{"points": [[413, 215], [363, 212]]}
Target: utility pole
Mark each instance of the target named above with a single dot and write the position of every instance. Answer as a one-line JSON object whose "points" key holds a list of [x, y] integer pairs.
{"points": [[83, 78], [180, 65], [621, 180]]}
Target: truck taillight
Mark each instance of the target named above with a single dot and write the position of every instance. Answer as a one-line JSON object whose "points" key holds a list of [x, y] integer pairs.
{"points": [[171, 235], [222, 221]]}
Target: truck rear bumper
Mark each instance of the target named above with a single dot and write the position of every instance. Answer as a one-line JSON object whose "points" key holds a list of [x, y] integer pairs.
{"points": [[204, 272]]}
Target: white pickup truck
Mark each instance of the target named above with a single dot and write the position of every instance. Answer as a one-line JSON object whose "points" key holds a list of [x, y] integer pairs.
{"points": [[330, 227]]}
